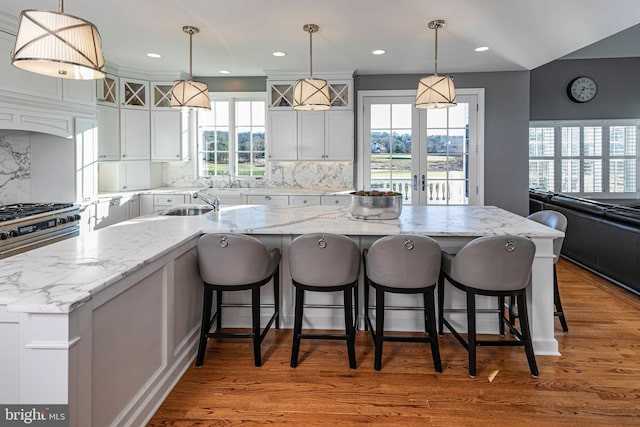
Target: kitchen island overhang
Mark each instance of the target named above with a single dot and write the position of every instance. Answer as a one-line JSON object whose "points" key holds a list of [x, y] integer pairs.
{"points": [[61, 304]]}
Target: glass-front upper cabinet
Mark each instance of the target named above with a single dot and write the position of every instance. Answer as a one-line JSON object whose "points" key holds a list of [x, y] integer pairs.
{"points": [[134, 93], [281, 94], [107, 90], [161, 95]]}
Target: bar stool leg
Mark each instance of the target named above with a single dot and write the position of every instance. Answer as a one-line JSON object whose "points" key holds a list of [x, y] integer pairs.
{"points": [[379, 332], [276, 295], [255, 320], [366, 300], [557, 302], [440, 304], [500, 315], [219, 308], [471, 332], [430, 327], [206, 324], [297, 326], [349, 325], [526, 334]]}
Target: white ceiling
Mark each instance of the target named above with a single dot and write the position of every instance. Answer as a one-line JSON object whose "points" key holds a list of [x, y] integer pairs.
{"points": [[240, 35]]}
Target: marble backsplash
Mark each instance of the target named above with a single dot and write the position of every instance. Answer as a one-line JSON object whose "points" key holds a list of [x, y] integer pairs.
{"points": [[330, 175], [15, 166]]}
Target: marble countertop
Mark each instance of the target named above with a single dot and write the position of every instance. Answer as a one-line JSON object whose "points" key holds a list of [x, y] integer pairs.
{"points": [[236, 190], [60, 277]]}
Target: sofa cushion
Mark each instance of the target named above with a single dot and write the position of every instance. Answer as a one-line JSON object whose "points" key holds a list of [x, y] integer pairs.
{"points": [[581, 205]]}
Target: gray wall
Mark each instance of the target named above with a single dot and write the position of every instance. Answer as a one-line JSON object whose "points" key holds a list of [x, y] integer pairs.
{"points": [[506, 129], [618, 96], [235, 84]]}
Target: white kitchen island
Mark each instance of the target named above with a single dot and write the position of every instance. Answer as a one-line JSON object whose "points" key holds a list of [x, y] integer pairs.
{"points": [[108, 321]]}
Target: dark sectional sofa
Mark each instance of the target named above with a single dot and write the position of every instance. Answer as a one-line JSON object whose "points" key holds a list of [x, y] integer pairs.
{"points": [[601, 236]]}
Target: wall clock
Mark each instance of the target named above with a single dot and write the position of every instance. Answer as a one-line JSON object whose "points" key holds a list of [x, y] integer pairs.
{"points": [[582, 89]]}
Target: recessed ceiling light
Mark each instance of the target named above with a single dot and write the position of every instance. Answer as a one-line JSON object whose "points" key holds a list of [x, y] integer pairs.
{"points": [[224, 72], [278, 53], [482, 49], [154, 55], [379, 52]]}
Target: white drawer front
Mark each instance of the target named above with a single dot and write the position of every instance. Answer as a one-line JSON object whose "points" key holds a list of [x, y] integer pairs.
{"points": [[268, 200], [335, 200], [168, 199], [304, 200]]}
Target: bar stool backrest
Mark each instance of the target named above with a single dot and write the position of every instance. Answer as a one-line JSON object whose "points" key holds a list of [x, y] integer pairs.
{"points": [[494, 263], [404, 261], [324, 259], [233, 259], [553, 219]]}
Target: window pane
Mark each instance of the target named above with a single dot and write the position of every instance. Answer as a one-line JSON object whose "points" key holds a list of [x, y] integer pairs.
{"points": [[570, 176], [541, 174], [541, 142], [622, 175], [401, 116], [221, 110], [380, 116], [622, 140], [592, 176], [243, 113], [592, 141], [570, 141], [459, 115], [258, 113], [437, 118]]}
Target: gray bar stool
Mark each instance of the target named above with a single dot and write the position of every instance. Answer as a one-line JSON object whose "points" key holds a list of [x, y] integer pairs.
{"points": [[558, 221], [235, 262], [494, 266], [324, 262], [403, 264]]}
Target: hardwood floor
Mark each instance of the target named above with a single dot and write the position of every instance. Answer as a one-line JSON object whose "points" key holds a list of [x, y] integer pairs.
{"points": [[596, 381]]}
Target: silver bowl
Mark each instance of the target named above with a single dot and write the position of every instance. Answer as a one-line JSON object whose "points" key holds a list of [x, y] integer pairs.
{"points": [[375, 207]]}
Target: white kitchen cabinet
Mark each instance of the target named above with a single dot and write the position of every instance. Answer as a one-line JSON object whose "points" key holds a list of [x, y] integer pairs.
{"points": [[166, 136], [134, 93], [310, 135], [166, 201], [134, 206], [134, 134], [107, 91], [325, 135], [126, 176], [111, 211], [269, 200], [86, 139], [335, 200], [146, 204], [161, 95], [304, 200], [108, 132], [283, 135]]}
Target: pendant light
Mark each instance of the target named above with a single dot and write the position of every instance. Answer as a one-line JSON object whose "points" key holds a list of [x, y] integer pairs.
{"points": [[58, 45], [436, 91], [187, 94], [311, 94]]}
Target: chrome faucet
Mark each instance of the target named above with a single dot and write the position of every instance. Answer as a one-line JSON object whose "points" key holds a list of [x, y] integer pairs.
{"points": [[215, 203]]}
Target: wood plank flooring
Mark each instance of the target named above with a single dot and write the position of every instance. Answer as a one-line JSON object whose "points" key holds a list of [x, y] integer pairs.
{"points": [[596, 381]]}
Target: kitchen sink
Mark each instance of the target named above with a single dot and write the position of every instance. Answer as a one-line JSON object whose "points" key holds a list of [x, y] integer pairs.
{"points": [[190, 211]]}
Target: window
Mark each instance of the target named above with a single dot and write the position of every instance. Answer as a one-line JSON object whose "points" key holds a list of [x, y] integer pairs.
{"points": [[593, 158], [231, 137]]}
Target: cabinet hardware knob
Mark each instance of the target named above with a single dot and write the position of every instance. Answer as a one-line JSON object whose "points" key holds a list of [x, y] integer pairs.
{"points": [[124, 155]]}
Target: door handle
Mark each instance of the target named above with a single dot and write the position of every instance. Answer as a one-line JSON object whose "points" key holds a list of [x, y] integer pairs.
{"points": [[415, 182], [423, 182]]}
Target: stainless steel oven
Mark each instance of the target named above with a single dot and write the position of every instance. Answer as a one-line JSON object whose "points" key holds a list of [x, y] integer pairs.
{"points": [[25, 226]]}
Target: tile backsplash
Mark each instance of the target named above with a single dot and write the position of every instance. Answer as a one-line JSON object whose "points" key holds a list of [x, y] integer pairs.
{"points": [[330, 175]]}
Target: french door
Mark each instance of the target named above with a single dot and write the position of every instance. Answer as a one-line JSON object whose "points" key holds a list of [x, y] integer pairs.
{"points": [[431, 156]]}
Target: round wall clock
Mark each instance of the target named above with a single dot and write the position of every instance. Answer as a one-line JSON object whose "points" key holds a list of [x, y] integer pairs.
{"points": [[582, 89]]}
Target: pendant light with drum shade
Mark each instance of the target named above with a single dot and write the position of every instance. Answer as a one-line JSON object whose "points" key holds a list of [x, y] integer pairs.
{"points": [[436, 91], [311, 94], [58, 45], [189, 94]]}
